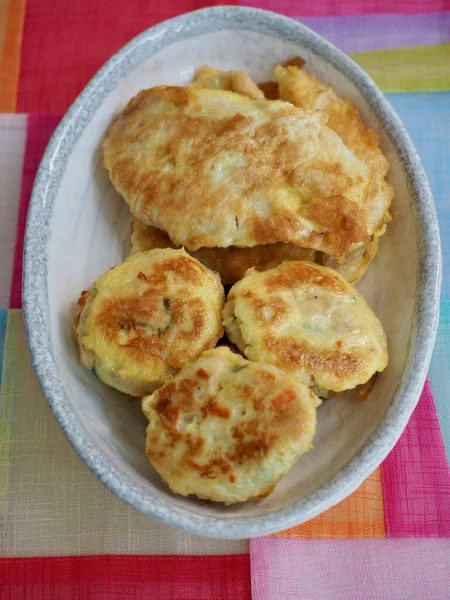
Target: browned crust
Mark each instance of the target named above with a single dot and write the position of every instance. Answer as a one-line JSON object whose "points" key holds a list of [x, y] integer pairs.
{"points": [[363, 391], [295, 356], [300, 273], [263, 303], [130, 314], [342, 223], [252, 441], [231, 263], [295, 61], [153, 321], [81, 304], [272, 163], [270, 90]]}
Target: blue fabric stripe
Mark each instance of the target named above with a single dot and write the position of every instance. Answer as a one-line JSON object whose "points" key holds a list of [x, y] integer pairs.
{"points": [[427, 119], [440, 373], [3, 320]]}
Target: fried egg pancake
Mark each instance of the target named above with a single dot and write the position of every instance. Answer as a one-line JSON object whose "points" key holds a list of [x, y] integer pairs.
{"points": [[344, 119], [215, 169], [226, 429], [146, 318], [144, 238], [306, 319], [231, 263], [356, 261], [306, 91], [234, 81]]}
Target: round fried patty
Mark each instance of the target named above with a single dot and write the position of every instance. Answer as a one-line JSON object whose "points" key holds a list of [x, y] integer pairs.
{"points": [[308, 320], [226, 429], [144, 319]]}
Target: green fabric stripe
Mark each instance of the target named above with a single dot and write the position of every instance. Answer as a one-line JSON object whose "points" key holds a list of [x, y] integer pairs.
{"points": [[415, 69], [14, 350], [3, 319]]}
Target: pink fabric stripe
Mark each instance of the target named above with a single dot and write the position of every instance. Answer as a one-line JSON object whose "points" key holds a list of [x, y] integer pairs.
{"points": [[416, 478], [383, 569], [328, 8], [39, 131]]}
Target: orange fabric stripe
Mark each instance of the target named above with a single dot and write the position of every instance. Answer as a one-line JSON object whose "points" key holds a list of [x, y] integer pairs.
{"points": [[12, 14], [361, 515]]}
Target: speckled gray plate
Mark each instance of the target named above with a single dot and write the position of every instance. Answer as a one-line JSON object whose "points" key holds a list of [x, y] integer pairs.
{"points": [[78, 227]]}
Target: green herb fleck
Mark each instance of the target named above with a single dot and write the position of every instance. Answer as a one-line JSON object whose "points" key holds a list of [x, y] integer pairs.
{"points": [[94, 370], [159, 330], [162, 330]]}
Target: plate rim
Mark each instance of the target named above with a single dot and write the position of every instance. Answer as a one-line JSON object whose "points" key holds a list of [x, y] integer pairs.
{"points": [[35, 291]]}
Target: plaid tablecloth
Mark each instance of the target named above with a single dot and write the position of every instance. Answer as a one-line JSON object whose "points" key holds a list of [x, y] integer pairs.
{"points": [[62, 534]]}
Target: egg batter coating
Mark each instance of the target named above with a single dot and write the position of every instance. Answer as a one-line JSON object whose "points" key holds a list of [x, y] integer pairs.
{"points": [[234, 81], [309, 321], [231, 263], [306, 91], [144, 238], [226, 429], [356, 261], [143, 320], [215, 169]]}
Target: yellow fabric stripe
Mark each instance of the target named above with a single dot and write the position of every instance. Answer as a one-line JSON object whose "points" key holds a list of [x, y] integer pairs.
{"points": [[415, 69], [14, 350]]}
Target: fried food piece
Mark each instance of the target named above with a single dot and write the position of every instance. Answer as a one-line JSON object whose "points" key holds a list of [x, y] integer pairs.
{"points": [[306, 91], [270, 90], [306, 319], [296, 61], [356, 262], [216, 169], [144, 238], [231, 263], [146, 318], [234, 81], [226, 429]]}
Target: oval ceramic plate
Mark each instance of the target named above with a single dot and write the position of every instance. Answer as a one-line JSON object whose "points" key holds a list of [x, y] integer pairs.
{"points": [[78, 227]]}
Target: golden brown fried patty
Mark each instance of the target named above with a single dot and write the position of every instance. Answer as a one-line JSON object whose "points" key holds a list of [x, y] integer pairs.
{"points": [[234, 81], [216, 169], [356, 261], [307, 320], [226, 429], [144, 319], [231, 263], [306, 91], [144, 238]]}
